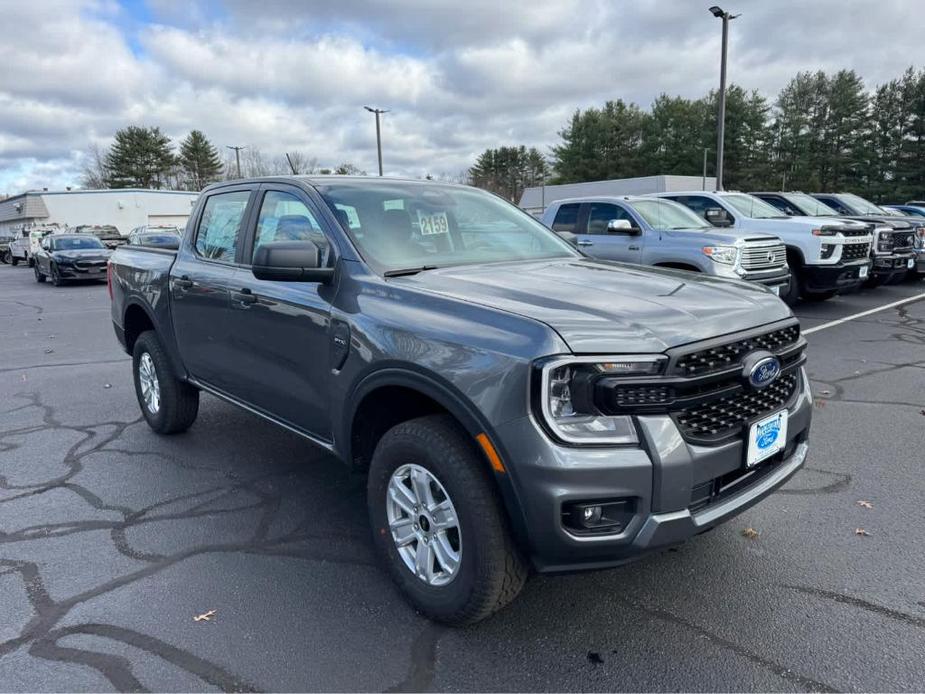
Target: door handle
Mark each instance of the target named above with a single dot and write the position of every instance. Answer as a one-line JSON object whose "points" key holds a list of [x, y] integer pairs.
{"points": [[183, 283], [585, 243], [633, 248], [245, 296]]}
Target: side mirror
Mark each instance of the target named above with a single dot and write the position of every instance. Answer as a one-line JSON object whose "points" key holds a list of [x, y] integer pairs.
{"points": [[621, 226], [290, 261], [717, 217]]}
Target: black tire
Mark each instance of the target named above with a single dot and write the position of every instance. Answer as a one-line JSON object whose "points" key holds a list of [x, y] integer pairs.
{"points": [[819, 296], [491, 569], [178, 401], [30, 261], [39, 277], [6, 257], [792, 295], [56, 276], [14, 261]]}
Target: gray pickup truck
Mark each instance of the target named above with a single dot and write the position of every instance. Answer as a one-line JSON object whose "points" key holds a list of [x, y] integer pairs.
{"points": [[512, 403], [662, 233]]}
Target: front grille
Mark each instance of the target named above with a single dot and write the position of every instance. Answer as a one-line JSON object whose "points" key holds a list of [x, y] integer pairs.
{"points": [[88, 264], [854, 231], [723, 356], [724, 417], [855, 251], [903, 240], [763, 256]]}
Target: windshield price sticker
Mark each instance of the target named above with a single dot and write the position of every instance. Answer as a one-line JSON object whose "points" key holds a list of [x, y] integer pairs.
{"points": [[432, 224]]}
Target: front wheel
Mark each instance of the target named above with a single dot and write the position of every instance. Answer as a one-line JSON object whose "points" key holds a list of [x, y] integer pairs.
{"points": [[438, 524], [168, 404], [792, 295], [39, 277], [56, 276], [14, 261]]}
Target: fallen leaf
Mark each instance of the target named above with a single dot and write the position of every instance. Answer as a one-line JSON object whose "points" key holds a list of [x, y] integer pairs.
{"points": [[750, 533], [204, 617], [862, 532], [595, 658], [820, 403], [865, 504], [49, 351]]}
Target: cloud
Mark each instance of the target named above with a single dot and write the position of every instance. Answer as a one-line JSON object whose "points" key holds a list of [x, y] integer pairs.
{"points": [[288, 75]]}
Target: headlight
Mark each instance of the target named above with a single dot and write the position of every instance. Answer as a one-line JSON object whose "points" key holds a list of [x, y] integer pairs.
{"points": [[825, 231], [566, 398], [727, 255]]}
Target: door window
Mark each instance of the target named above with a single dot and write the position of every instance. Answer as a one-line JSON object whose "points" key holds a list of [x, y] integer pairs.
{"points": [[219, 230], [601, 213], [284, 217], [566, 218]]}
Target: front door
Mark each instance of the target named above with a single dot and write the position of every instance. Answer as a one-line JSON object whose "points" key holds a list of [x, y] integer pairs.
{"points": [[279, 331], [201, 281], [595, 239]]}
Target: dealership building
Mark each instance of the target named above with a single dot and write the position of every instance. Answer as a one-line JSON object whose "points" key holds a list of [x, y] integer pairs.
{"points": [[123, 208]]}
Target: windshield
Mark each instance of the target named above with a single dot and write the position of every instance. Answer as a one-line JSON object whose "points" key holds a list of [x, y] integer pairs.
{"points": [[665, 214], [404, 225], [72, 244], [859, 204], [808, 205], [753, 207]]}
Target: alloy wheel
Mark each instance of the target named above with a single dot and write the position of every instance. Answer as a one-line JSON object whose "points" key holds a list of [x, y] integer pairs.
{"points": [[150, 387]]}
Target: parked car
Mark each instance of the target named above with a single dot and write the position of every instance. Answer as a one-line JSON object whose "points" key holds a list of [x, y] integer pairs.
{"points": [[156, 236], [823, 257], [24, 248], [106, 233], [6, 238], [891, 252], [662, 233], [856, 206], [511, 401], [64, 257], [908, 210]]}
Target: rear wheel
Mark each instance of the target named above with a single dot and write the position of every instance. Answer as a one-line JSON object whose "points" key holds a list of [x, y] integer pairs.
{"points": [[6, 257], [14, 261], [39, 277], [438, 523], [168, 404]]}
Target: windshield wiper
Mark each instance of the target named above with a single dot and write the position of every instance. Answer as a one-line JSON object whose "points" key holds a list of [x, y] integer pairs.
{"points": [[408, 271]]}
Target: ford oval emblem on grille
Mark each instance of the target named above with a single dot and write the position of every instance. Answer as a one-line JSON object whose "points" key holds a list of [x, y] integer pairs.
{"points": [[763, 372]]}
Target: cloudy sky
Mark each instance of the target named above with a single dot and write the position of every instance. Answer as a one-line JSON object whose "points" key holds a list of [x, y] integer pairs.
{"points": [[458, 75]]}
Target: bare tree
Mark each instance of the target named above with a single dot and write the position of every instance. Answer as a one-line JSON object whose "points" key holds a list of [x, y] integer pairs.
{"points": [[94, 173], [302, 164]]}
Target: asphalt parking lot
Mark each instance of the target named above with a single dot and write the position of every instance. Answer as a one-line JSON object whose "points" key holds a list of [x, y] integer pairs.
{"points": [[112, 540]]}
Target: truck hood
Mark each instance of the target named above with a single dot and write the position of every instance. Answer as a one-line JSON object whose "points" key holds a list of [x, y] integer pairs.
{"points": [[723, 236], [599, 306]]}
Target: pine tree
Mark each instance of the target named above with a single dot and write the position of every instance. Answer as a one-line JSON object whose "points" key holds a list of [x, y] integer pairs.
{"points": [[199, 160], [139, 158], [506, 171]]}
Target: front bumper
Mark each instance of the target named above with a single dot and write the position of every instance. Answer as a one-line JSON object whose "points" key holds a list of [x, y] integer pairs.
{"points": [[843, 276], [892, 266], [660, 479], [82, 272]]}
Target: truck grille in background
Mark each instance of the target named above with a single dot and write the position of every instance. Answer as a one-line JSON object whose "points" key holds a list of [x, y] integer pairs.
{"points": [[855, 251], [902, 240], [763, 256], [855, 231], [726, 416], [723, 356]]}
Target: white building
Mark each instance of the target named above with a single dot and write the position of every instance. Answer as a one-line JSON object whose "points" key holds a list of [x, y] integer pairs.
{"points": [[535, 200], [124, 208]]}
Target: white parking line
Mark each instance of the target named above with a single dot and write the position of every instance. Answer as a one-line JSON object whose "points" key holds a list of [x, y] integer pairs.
{"points": [[833, 323]]}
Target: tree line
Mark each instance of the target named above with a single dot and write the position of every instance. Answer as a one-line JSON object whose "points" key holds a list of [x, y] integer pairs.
{"points": [[823, 132], [144, 157]]}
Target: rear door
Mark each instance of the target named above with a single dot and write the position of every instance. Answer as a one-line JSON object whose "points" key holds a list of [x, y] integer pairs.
{"points": [[596, 240], [280, 332], [201, 281]]}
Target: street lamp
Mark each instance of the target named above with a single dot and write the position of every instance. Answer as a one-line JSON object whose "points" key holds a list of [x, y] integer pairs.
{"points": [[719, 13], [377, 111]]}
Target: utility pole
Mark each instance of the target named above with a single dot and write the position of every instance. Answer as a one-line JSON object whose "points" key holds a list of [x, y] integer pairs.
{"points": [[378, 111], [719, 13], [237, 156], [703, 184]]}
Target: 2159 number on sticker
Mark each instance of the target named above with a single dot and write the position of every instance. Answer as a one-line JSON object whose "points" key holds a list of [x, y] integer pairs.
{"points": [[432, 224]]}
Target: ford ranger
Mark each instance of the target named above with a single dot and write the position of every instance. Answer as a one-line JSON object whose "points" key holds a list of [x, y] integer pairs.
{"points": [[824, 257], [662, 233], [513, 403], [891, 252]]}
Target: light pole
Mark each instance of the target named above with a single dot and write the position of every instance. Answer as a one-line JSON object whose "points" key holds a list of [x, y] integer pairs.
{"points": [[237, 156], [377, 111], [719, 13]]}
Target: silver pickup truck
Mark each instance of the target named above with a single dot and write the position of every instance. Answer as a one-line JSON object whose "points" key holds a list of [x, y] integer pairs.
{"points": [[661, 233], [825, 256]]}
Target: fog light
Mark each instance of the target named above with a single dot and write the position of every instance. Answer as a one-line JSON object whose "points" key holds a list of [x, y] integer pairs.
{"points": [[610, 516], [591, 516]]}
